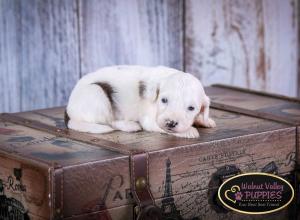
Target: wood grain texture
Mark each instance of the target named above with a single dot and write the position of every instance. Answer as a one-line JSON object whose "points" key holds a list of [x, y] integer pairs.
{"points": [[247, 43], [46, 45], [39, 53], [10, 80], [130, 32]]}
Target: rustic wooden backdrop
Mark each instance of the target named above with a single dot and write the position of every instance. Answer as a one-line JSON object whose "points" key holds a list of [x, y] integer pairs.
{"points": [[47, 45]]}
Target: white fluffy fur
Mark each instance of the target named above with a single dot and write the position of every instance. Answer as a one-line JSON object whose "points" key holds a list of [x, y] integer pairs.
{"points": [[90, 109]]}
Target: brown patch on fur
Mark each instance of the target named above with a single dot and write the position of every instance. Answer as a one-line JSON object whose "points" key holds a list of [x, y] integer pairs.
{"points": [[66, 118], [109, 91], [157, 94], [142, 89]]}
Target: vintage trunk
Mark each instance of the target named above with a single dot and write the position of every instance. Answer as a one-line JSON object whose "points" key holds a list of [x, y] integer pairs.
{"points": [[263, 105], [49, 172]]}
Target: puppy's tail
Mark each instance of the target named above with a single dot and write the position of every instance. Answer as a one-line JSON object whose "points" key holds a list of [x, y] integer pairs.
{"points": [[89, 127]]}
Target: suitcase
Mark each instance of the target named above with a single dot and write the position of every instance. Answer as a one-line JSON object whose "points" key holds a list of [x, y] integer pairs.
{"points": [[263, 105], [50, 172]]}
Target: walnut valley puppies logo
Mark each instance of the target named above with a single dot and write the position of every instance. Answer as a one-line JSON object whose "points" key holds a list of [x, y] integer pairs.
{"points": [[256, 193]]}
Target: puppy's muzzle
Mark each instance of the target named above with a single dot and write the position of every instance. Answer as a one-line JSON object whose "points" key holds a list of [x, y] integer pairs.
{"points": [[170, 124]]}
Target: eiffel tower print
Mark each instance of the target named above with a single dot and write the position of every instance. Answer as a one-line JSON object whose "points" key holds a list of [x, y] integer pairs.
{"points": [[168, 207]]}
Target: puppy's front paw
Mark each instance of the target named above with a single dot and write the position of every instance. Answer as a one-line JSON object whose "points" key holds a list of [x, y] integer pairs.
{"points": [[191, 133], [210, 123]]}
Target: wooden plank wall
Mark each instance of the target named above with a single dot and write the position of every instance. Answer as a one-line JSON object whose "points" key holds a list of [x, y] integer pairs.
{"points": [[249, 43], [39, 59], [46, 46], [130, 32]]}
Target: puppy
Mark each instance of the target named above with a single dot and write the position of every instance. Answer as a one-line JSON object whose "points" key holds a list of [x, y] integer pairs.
{"points": [[132, 98]]}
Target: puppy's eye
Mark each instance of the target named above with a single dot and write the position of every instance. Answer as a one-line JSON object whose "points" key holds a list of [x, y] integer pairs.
{"points": [[191, 108], [164, 100]]}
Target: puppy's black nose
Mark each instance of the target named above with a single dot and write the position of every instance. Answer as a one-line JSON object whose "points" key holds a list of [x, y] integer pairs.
{"points": [[171, 124]]}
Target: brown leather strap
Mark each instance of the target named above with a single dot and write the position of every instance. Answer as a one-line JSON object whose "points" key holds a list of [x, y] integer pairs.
{"points": [[68, 133], [58, 186], [140, 179], [254, 113]]}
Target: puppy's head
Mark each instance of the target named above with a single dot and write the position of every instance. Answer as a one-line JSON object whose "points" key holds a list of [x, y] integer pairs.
{"points": [[180, 99]]}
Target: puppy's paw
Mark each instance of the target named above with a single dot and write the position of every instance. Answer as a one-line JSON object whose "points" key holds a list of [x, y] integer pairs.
{"points": [[191, 133], [128, 126], [209, 123]]}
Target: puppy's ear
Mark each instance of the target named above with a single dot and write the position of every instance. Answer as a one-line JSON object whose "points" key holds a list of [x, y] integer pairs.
{"points": [[203, 119], [151, 92]]}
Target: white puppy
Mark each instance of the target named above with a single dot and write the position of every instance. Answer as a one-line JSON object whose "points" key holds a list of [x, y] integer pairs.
{"points": [[132, 98]]}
